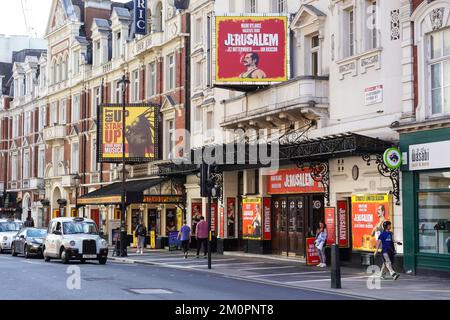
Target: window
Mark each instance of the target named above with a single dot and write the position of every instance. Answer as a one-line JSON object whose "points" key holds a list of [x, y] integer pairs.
{"points": [[170, 78], [26, 164], [440, 72], [159, 17], [135, 83], [372, 10], [41, 163], [42, 112], [63, 111], [198, 119], [74, 160], [53, 113], [75, 108], [210, 124], [96, 101], [315, 55], [151, 86], [27, 123], [94, 155], [117, 44], [198, 34], [15, 128], [279, 6], [349, 48], [59, 66], [58, 158], [76, 62], [434, 214], [198, 74], [170, 138], [117, 92], [96, 59], [250, 6], [14, 166]]}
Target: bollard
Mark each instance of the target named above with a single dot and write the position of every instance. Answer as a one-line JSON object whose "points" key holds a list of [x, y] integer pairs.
{"points": [[335, 267]]}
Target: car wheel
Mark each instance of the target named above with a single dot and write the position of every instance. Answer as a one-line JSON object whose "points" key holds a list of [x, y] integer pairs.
{"points": [[13, 252], [64, 257], [102, 260], [46, 258], [25, 252]]}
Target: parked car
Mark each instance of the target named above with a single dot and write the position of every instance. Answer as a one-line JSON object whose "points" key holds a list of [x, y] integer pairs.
{"points": [[28, 241], [74, 239], [8, 229]]}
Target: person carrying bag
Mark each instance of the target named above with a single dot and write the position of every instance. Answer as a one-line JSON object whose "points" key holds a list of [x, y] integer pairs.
{"points": [[320, 243]]}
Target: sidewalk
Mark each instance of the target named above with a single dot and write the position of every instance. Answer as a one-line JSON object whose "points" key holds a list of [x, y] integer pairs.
{"points": [[293, 272]]}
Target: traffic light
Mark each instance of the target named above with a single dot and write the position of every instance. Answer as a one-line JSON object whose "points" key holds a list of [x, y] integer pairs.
{"points": [[204, 177]]}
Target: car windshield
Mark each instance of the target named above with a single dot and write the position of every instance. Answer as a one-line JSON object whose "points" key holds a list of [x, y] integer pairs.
{"points": [[36, 233], [10, 226], [79, 227]]}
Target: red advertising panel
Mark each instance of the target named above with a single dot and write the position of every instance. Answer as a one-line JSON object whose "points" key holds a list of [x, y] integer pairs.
{"points": [[312, 255], [293, 180], [342, 211], [251, 49], [251, 218], [368, 214], [222, 218], [267, 222], [214, 217], [330, 215]]}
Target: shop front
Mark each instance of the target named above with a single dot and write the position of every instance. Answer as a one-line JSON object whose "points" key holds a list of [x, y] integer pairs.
{"points": [[147, 200], [426, 197]]}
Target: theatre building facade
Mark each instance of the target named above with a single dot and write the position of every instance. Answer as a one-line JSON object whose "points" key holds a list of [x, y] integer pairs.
{"points": [[330, 142]]}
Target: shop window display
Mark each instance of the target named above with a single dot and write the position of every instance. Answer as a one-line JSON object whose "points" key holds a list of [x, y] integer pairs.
{"points": [[434, 212]]}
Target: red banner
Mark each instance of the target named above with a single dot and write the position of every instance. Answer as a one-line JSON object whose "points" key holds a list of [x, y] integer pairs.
{"points": [[342, 211], [312, 255], [214, 217], [330, 213], [222, 218], [251, 49], [267, 217], [293, 181]]}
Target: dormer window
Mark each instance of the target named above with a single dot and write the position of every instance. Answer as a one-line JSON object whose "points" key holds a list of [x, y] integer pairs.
{"points": [[96, 53], [76, 62], [117, 44]]}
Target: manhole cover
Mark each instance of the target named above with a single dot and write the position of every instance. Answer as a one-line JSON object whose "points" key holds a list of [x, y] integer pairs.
{"points": [[150, 291]]}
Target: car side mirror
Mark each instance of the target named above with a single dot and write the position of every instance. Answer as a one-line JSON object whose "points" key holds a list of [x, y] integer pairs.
{"points": [[57, 232], [101, 233]]}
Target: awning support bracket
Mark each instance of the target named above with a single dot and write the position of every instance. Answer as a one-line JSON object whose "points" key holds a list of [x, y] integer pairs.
{"points": [[385, 171], [320, 172]]}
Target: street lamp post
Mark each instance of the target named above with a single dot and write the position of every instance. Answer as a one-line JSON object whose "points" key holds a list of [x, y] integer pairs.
{"points": [[123, 232], [77, 180]]}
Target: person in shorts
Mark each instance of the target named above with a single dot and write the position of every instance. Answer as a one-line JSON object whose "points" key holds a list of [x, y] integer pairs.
{"points": [[185, 236]]}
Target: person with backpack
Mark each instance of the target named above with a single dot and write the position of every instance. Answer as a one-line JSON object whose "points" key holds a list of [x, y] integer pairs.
{"points": [[185, 236], [386, 241], [141, 233]]}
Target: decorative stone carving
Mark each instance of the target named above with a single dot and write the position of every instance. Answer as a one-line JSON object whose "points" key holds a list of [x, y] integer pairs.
{"points": [[437, 16], [395, 24]]}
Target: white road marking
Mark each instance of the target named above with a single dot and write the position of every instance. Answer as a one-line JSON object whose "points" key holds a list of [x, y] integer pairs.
{"points": [[267, 268], [226, 264], [285, 274]]}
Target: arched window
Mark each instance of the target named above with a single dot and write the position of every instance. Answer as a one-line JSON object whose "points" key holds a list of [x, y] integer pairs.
{"points": [[59, 70], [53, 71], [149, 21], [159, 17]]}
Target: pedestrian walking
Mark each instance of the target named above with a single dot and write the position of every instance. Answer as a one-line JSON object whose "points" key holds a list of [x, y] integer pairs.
{"points": [[386, 241], [141, 233], [320, 243], [185, 236], [201, 235], [29, 222]]}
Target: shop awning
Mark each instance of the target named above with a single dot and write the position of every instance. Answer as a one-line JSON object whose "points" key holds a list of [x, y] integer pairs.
{"points": [[112, 194]]}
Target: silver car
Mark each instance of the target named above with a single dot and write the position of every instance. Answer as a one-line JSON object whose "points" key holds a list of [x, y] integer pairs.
{"points": [[74, 239], [8, 229]]}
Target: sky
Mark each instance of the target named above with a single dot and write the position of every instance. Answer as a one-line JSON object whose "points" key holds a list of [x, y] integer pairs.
{"points": [[35, 13]]}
